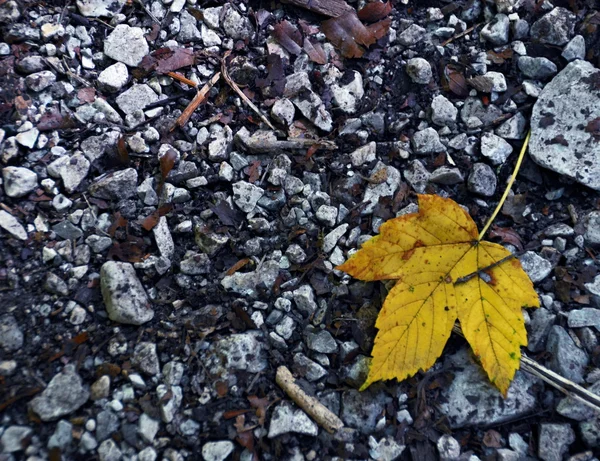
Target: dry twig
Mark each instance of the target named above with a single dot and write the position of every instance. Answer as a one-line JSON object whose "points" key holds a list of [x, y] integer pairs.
{"points": [[198, 99], [234, 86], [315, 409]]}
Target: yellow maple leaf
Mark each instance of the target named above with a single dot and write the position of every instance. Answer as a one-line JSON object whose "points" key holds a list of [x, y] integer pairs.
{"points": [[444, 271]]}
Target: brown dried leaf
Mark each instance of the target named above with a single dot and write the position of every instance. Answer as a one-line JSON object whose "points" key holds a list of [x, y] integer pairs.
{"points": [[374, 11], [87, 95], [261, 406], [167, 162], [315, 51], [380, 29], [481, 83], [122, 151], [288, 36], [53, 119], [500, 57], [254, 172], [166, 60], [131, 250], [347, 33], [456, 81], [150, 221], [119, 221]]}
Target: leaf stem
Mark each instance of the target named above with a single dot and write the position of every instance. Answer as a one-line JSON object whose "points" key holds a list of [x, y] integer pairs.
{"points": [[508, 187]]}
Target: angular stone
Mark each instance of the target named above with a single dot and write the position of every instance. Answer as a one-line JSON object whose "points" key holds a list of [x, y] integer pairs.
{"points": [[114, 77], [126, 44], [559, 138], [124, 296], [286, 418], [18, 181], [117, 185], [11, 225], [13, 439], [242, 351], [566, 358], [554, 28], [11, 336], [100, 8], [71, 169], [136, 98]]}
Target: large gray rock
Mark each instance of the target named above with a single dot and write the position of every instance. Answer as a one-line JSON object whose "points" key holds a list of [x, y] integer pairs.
{"points": [[126, 44], [563, 137], [65, 394], [117, 185], [124, 296], [554, 28], [472, 400]]}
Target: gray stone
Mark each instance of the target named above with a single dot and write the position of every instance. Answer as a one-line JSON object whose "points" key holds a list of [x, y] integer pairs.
{"points": [[496, 31], [555, 27], [9, 12], [147, 427], [592, 226], [286, 418], [126, 44], [55, 285], [474, 108], [412, 35], [386, 188], [117, 185], [497, 81], [443, 112], [586, 317], [246, 195], [64, 394], [482, 180], [40, 80], [145, 358], [109, 451], [355, 373], [448, 447], [331, 239], [62, 436], [163, 238], [95, 147], [107, 423], [237, 26], [99, 8], [537, 268], [307, 368], [565, 107], [364, 154], [217, 451], [246, 283], [72, 170], [18, 181], [136, 98], [539, 328], [348, 96], [362, 410], [195, 264], [114, 77], [471, 400], [188, 31], [417, 176], [283, 111], [566, 358], [209, 37], [28, 138], [495, 148], [513, 128], [13, 439], [320, 340], [100, 388], [11, 336], [124, 296], [304, 297], [427, 141], [538, 68], [554, 441], [327, 215], [419, 70], [67, 230], [11, 225], [575, 49], [573, 408], [98, 243], [386, 449], [446, 175], [243, 351]]}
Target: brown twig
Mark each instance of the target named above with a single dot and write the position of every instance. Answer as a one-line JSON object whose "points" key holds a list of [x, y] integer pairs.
{"points": [[315, 409], [198, 99], [567, 387], [462, 34], [234, 86], [177, 76]]}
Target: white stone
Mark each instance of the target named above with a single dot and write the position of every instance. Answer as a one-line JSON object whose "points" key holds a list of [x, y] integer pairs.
{"points": [[114, 77], [126, 44], [18, 181]]}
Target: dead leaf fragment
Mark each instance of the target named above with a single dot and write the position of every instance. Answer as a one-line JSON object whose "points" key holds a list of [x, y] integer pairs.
{"points": [[455, 80], [443, 272], [374, 11], [347, 33], [288, 36], [315, 51], [167, 59]]}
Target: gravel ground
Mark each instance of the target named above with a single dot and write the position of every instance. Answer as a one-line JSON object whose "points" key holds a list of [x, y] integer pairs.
{"points": [[154, 274]]}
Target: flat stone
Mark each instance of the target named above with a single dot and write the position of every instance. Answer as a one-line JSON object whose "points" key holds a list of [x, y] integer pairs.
{"points": [[188, 31], [419, 70], [136, 98], [63, 395], [13, 438], [495, 148], [539, 328], [320, 340], [237, 26], [11, 225], [286, 418], [575, 49], [537, 268], [538, 68], [124, 296], [72, 170], [559, 139], [96, 147], [114, 77], [446, 175], [217, 451], [145, 358], [364, 154], [471, 400], [126, 44], [566, 358], [592, 228], [18, 181], [99, 8], [574, 409], [417, 176], [40, 80], [109, 451], [62, 436], [554, 441], [246, 283], [586, 317], [163, 238], [117, 185]]}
